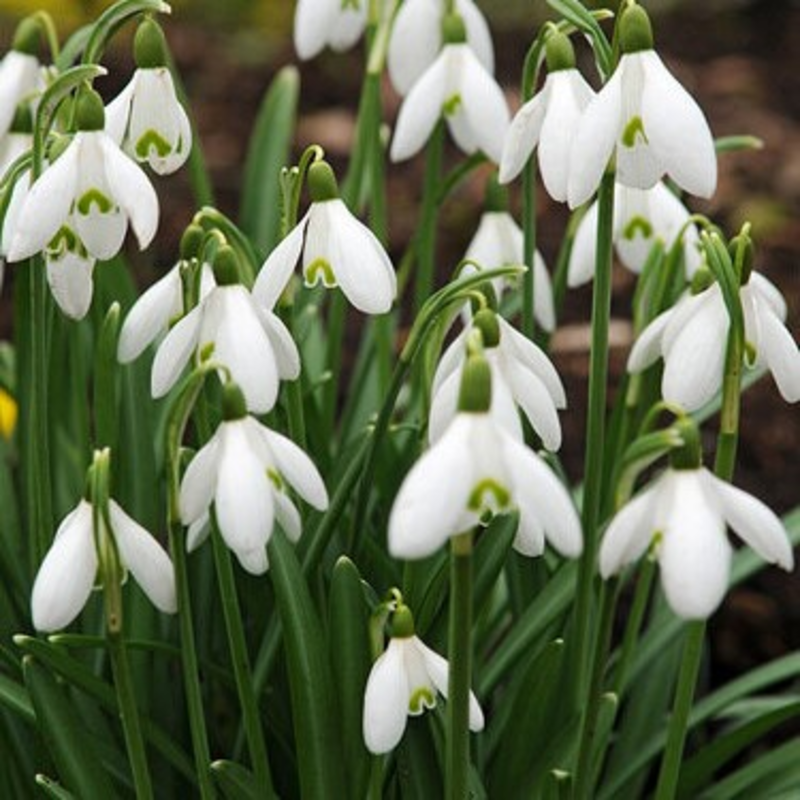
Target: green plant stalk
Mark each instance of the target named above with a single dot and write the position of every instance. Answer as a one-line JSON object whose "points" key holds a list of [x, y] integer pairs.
{"points": [[595, 435], [241, 663], [460, 668], [129, 715]]}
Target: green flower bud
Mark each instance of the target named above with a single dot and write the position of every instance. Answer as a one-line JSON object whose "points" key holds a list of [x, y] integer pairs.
{"points": [[233, 403], [149, 45], [90, 114], [486, 322], [747, 257], [226, 266], [690, 454], [560, 52], [453, 29], [191, 242], [635, 30], [475, 395], [26, 37], [701, 280], [322, 182], [402, 624]]}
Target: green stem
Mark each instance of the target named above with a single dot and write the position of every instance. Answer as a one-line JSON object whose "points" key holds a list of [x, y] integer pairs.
{"points": [[241, 663], [129, 714], [460, 674], [595, 434]]}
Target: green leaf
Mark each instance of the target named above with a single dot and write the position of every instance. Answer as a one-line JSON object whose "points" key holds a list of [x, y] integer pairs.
{"points": [[267, 153], [112, 19], [418, 769], [349, 648], [67, 740], [235, 782], [16, 698], [318, 745], [575, 12], [106, 411], [50, 788]]}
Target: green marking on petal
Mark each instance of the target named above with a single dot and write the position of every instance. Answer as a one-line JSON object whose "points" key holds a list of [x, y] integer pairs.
{"points": [[66, 241], [355, 5], [637, 225], [206, 351], [276, 479], [750, 354], [634, 129], [450, 107], [421, 699], [84, 204], [151, 139], [320, 270], [499, 498]]}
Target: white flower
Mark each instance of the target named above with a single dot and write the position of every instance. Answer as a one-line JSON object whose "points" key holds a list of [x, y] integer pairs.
{"points": [[335, 249], [249, 340], [20, 80], [93, 190], [686, 510], [549, 119], [457, 86], [404, 681], [69, 271], [416, 39], [641, 217], [522, 376], [67, 574], [244, 470], [337, 23], [477, 468], [649, 121], [152, 314], [149, 123], [498, 242], [692, 337], [12, 146]]}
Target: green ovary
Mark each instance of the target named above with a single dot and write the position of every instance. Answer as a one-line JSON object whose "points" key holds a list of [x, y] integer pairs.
{"points": [[421, 699], [634, 130], [320, 270], [152, 140]]}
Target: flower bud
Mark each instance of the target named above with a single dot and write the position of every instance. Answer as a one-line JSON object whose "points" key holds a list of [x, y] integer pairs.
{"points": [[402, 624], [191, 242], [743, 243], [234, 405], [453, 29], [26, 37], [149, 45], [701, 280], [90, 114], [635, 30], [322, 182], [689, 455], [486, 322], [475, 395], [560, 52], [226, 266]]}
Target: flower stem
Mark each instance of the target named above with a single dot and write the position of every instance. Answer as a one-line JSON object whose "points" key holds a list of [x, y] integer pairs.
{"points": [[241, 663], [459, 677], [595, 435], [129, 714]]}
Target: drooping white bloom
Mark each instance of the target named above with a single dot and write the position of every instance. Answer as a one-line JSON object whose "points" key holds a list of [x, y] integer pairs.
{"points": [[457, 86], [149, 123], [335, 248], [12, 146], [67, 574], [334, 23], [549, 119], [93, 190], [20, 81], [477, 468], [641, 217], [244, 470], [687, 510], [416, 39], [522, 377], [248, 339], [692, 337], [404, 681], [151, 315], [647, 120], [498, 242]]}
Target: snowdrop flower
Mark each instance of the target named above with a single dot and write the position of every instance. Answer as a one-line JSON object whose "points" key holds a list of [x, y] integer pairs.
{"points": [[499, 242], [641, 217], [458, 86], [245, 470], [92, 191], [549, 119], [146, 119], [20, 73], [336, 23], [250, 341], [404, 682], [522, 377], [474, 470], [416, 39], [683, 515], [336, 249], [67, 574], [692, 337], [13, 145], [645, 118]]}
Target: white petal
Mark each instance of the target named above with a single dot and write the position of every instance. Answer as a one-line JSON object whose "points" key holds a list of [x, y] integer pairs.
{"points": [[769, 292], [174, 352], [198, 532], [544, 308], [19, 77], [133, 191], [118, 112], [70, 281], [415, 41], [286, 355], [594, 141], [66, 576], [647, 348], [781, 355], [421, 109], [529, 539], [479, 36], [433, 495], [753, 521], [277, 269], [629, 533], [296, 468], [254, 561], [386, 700], [150, 315], [348, 25], [583, 257], [532, 396], [522, 136], [695, 555], [146, 559], [312, 22], [199, 482], [677, 129], [444, 405], [288, 516], [450, 361]]}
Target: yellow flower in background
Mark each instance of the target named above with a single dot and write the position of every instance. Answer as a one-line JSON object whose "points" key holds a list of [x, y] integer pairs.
{"points": [[8, 414]]}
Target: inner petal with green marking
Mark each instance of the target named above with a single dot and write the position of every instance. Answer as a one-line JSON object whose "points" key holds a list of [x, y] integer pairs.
{"points": [[637, 225], [451, 106], [66, 241], [421, 698], [320, 270], [91, 197], [152, 140], [275, 478], [634, 133], [489, 495]]}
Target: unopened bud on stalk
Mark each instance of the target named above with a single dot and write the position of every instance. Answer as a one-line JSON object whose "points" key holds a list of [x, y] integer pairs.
{"points": [[486, 322], [149, 45], [453, 29], [90, 114], [322, 182], [475, 395], [560, 52], [226, 266], [234, 405], [402, 623], [635, 30], [690, 454]]}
